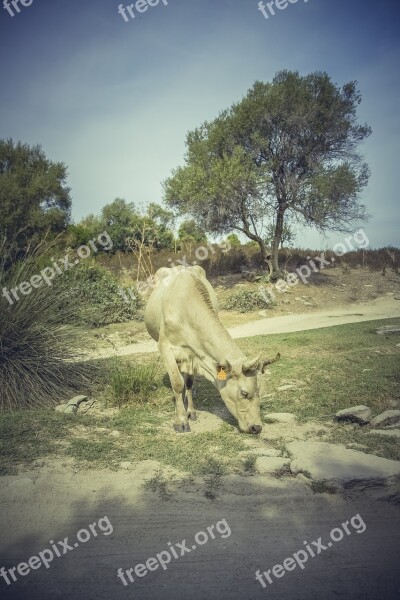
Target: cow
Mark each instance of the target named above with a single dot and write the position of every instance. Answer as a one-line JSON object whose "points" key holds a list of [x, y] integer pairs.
{"points": [[182, 316]]}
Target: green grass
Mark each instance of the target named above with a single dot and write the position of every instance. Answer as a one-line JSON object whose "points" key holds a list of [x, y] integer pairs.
{"points": [[132, 382], [329, 363]]}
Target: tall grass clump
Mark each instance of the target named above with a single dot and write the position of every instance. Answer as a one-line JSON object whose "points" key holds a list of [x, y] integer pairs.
{"points": [[39, 363], [133, 383]]}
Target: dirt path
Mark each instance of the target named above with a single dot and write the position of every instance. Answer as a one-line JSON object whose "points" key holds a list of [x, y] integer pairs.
{"points": [[269, 519], [382, 308]]}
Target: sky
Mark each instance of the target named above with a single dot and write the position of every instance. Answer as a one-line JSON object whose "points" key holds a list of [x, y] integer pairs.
{"points": [[114, 99]]}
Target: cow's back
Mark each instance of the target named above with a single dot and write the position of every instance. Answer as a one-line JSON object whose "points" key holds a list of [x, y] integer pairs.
{"points": [[177, 290]]}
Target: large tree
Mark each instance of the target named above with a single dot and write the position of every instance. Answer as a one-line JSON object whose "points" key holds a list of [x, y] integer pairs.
{"points": [[288, 151], [34, 198]]}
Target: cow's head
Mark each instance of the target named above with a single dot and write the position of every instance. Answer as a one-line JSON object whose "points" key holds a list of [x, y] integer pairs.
{"points": [[238, 384]]}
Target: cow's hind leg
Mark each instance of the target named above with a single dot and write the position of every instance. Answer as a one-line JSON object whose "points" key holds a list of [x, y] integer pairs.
{"points": [[181, 423], [191, 413]]}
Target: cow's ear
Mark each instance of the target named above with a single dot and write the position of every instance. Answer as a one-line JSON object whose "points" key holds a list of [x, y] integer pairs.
{"points": [[227, 370]]}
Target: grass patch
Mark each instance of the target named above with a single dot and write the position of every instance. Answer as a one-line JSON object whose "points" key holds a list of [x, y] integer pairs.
{"points": [[322, 487], [133, 383], [158, 484], [327, 366], [26, 436], [249, 464]]}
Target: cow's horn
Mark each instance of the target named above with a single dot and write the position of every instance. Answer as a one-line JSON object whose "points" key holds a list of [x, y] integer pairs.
{"points": [[249, 365]]}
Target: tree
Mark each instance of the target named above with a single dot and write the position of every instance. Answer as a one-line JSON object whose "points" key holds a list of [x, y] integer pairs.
{"points": [[34, 198], [288, 150], [233, 239], [189, 231]]}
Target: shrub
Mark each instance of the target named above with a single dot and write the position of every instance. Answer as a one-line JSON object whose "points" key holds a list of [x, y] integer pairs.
{"points": [[100, 299], [38, 358], [132, 383], [247, 300]]}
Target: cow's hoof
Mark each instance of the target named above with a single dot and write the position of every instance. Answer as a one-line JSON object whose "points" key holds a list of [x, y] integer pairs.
{"points": [[182, 427], [192, 416]]}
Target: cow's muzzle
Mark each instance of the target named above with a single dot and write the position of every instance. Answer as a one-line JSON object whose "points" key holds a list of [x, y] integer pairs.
{"points": [[255, 429]]}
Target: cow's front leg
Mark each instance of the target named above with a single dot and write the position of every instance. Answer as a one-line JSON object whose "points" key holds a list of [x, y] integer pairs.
{"points": [[191, 413], [181, 423]]}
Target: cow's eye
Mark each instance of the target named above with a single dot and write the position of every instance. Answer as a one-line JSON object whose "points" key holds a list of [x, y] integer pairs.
{"points": [[243, 393]]}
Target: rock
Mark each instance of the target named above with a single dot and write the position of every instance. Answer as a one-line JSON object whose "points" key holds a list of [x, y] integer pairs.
{"points": [[280, 418], [115, 433], [77, 400], [270, 464], [338, 465], [125, 465], [355, 446], [301, 477], [271, 452], [388, 432], [72, 405], [67, 408], [389, 329], [356, 414], [389, 417]]}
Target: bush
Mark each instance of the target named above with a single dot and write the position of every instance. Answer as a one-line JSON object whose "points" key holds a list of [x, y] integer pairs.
{"points": [[132, 383], [38, 358], [100, 299], [248, 300]]}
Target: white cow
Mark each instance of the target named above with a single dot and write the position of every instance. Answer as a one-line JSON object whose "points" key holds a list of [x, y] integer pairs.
{"points": [[182, 316]]}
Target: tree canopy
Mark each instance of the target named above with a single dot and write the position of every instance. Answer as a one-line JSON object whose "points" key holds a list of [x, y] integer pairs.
{"points": [[34, 198], [287, 151]]}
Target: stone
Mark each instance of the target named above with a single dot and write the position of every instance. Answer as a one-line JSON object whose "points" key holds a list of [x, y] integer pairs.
{"points": [[280, 418], [387, 432], [389, 417], [388, 329], [125, 465], [271, 452], [77, 400], [355, 446], [270, 464], [115, 433], [341, 466], [356, 414]]}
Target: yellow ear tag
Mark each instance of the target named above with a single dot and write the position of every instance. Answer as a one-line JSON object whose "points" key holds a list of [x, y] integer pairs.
{"points": [[221, 374]]}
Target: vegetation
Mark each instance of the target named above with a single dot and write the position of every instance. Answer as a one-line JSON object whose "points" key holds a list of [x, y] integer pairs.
{"points": [[132, 383], [247, 300], [288, 150], [34, 198], [38, 359], [321, 363]]}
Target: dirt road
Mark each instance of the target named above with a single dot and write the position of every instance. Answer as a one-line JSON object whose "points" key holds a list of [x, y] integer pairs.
{"points": [[382, 308], [269, 520]]}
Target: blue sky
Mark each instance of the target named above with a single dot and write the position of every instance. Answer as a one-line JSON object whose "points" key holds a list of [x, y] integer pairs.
{"points": [[114, 99]]}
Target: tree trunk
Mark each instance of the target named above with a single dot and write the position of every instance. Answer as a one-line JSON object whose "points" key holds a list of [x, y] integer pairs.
{"points": [[277, 240]]}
